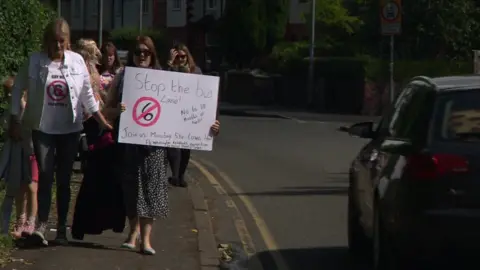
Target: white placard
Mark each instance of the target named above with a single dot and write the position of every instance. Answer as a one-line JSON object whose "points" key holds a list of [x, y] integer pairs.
{"points": [[168, 109]]}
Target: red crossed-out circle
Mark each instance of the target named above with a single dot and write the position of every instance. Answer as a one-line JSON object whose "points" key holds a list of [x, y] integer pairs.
{"points": [[395, 8], [150, 108], [57, 90]]}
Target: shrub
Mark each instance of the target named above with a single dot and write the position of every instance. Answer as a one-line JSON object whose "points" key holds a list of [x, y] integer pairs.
{"points": [[378, 70], [124, 38], [289, 58], [21, 32], [285, 53]]}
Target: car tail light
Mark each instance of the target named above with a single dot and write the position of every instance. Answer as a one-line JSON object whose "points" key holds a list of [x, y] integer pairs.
{"points": [[433, 166]]}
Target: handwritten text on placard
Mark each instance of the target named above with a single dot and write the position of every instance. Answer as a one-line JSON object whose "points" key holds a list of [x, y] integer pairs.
{"points": [[168, 109]]}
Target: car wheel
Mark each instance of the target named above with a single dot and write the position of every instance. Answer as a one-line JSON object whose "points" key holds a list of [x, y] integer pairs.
{"points": [[384, 257], [357, 240]]}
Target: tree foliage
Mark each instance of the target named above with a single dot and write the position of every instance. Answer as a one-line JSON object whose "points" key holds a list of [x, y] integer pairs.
{"points": [[276, 20], [21, 31], [125, 38], [242, 30], [333, 14], [251, 28], [443, 28], [430, 28]]}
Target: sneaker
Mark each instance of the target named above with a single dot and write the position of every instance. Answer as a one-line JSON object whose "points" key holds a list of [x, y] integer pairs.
{"points": [[61, 238], [39, 233]]}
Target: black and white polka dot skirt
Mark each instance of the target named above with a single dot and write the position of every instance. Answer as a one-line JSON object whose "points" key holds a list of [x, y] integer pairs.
{"points": [[145, 182]]}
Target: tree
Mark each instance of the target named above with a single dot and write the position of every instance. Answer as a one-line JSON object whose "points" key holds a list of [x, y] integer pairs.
{"points": [[242, 31], [441, 28], [334, 24], [21, 31], [276, 20], [430, 28]]}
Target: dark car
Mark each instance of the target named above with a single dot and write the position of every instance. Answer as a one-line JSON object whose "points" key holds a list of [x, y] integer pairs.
{"points": [[415, 186]]}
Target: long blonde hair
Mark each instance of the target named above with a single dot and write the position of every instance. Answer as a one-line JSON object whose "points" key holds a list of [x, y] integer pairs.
{"points": [[88, 49], [59, 25]]}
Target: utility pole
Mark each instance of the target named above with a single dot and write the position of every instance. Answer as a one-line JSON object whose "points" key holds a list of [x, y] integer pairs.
{"points": [[312, 56], [100, 22], [141, 16], [391, 68], [59, 8]]}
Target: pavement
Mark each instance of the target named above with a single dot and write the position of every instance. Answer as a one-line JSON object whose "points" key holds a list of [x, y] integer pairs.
{"points": [[183, 241]]}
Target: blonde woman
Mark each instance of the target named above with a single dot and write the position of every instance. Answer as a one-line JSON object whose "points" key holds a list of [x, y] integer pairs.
{"points": [[100, 194], [59, 91], [88, 49]]}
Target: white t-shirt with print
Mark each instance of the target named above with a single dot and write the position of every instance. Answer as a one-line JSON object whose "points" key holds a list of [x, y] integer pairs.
{"points": [[57, 116]]}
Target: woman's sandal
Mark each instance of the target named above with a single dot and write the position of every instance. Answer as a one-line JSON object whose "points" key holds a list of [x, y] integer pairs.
{"points": [[127, 245], [147, 251]]}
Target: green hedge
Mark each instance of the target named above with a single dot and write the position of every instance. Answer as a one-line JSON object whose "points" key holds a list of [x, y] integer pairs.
{"points": [[292, 58], [21, 32], [378, 70], [372, 69], [124, 39]]}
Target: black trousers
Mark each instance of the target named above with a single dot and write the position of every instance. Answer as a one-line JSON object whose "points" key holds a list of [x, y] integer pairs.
{"points": [[178, 160]]}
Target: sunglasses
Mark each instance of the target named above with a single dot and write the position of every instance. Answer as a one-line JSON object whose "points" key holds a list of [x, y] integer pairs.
{"points": [[181, 56], [145, 52]]}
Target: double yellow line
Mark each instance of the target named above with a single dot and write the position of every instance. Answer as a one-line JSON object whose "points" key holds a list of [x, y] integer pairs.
{"points": [[239, 220]]}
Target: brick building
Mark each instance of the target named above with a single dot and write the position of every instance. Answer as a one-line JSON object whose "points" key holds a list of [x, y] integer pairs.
{"points": [[170, 16]]}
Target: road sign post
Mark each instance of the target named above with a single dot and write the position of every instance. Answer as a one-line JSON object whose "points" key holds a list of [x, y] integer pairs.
{"points": [[391, 25]]}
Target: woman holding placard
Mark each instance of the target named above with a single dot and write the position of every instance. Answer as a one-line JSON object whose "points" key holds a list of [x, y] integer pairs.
{"points": [[144, 168], [181, 60]]}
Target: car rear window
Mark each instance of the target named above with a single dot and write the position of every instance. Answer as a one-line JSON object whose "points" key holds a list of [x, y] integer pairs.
{"points": [[458, 116]]}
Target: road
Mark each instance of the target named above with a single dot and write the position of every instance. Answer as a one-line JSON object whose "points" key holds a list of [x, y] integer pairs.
{"points": [[293, 172]]}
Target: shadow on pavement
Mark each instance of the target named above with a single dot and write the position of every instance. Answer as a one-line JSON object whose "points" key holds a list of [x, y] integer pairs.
{"points": [[337, 177], [325, 258], [299, 191]]}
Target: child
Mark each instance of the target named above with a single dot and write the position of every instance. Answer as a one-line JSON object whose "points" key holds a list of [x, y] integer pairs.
{"points": [[21, 175]]}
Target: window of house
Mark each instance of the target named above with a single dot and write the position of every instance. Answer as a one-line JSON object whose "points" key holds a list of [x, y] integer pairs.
{"points": [[212, 4], [177, 4], [145, 6]]}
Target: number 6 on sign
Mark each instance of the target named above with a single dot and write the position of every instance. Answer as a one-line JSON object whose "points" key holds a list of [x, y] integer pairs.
{"points": [[146, 111]]}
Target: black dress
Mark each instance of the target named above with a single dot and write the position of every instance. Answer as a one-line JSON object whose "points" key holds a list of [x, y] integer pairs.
{"points": [[100, 204]]}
